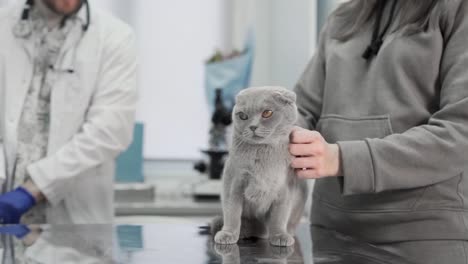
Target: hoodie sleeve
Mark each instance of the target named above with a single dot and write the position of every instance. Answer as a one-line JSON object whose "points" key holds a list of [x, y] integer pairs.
{"points": [[310, 87], [427, 154]]}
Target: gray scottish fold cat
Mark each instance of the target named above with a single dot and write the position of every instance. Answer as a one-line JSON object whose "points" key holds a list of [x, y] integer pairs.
{"points": [[262, 197]]}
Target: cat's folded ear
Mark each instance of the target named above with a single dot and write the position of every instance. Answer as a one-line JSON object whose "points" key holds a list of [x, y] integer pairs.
{"points": [[285, 96], [240, 95]]}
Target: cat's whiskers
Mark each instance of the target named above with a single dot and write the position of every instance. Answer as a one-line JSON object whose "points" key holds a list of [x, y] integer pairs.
{"points": [[238, 142], [246, 134], [264, 132]]}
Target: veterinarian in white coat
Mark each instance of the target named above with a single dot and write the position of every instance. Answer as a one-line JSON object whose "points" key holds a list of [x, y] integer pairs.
{"points": [[92, 105]]}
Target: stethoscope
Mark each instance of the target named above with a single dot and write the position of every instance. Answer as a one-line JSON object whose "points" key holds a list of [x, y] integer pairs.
{"points": [[23, 28]]}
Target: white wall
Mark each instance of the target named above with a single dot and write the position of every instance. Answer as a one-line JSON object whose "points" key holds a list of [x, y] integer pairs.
{"points": [[123, 9], [4, 2], [292, 39], [256, 16], [175, 37], [285, 37]]}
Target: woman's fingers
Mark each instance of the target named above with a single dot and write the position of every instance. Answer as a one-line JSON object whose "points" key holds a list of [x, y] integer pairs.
{"points": [[304, 136], [313, 156], [312, 149], [307, 174], [304, 163]]}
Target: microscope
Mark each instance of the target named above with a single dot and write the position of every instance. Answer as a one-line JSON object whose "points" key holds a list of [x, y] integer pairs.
{"points": [[216, 153]]}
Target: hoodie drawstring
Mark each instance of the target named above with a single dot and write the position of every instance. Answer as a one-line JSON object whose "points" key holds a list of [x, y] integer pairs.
{"points": [[377, 37]]}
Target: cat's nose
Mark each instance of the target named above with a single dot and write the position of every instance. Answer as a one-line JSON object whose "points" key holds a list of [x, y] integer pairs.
{"points": [[253, 128]]}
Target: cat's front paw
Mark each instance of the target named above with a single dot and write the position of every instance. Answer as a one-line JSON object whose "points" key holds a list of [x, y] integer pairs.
{"points": [[282, 252], [226, 238], [282, 240], [226, 249]]}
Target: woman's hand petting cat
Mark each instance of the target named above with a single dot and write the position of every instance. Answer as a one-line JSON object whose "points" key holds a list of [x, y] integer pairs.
{"points": [[314, 157]]}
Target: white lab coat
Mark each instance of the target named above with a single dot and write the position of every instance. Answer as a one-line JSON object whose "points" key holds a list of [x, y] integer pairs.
{"points": [[92, 114]]}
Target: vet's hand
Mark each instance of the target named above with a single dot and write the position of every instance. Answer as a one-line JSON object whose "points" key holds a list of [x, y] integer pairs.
{"points": [[313, 158], [14, 204]]}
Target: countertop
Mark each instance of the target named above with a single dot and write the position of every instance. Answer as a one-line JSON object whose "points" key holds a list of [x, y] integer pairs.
{"points": [[166, 197], [174, 242]]}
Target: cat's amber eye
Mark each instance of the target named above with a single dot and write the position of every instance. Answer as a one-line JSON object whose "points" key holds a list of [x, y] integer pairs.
{"points": [[267, 114], [243, 116]]}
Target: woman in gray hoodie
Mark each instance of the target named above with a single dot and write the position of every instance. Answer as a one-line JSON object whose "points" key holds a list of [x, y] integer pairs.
{"points": [[384, 117]]}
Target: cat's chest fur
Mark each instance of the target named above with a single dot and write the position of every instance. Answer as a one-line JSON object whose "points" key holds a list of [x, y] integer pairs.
{"points": [[265, 174], [263, 160]]}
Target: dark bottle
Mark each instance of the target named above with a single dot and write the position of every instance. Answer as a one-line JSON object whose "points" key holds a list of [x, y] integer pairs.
{"points": [[221, 115]]}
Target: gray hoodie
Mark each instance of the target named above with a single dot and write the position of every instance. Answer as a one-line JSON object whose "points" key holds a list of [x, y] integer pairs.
{"points": [[401, 122]]}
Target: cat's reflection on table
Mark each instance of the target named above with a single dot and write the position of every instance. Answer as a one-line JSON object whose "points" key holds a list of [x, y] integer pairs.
{"points": [[257, 251]]}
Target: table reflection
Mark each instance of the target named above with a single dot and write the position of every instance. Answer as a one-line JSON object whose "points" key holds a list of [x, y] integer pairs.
{"points": [[332, 247], [313, 245], [257, 251], [186, 242], [57, 244]]}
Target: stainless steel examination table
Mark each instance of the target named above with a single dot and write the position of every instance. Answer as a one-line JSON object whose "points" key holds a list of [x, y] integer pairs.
{"points": [[174, 242]]}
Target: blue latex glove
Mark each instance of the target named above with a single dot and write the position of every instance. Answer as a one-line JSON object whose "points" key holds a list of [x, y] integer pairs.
{"points": [[14, 204], [19, 231]]}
